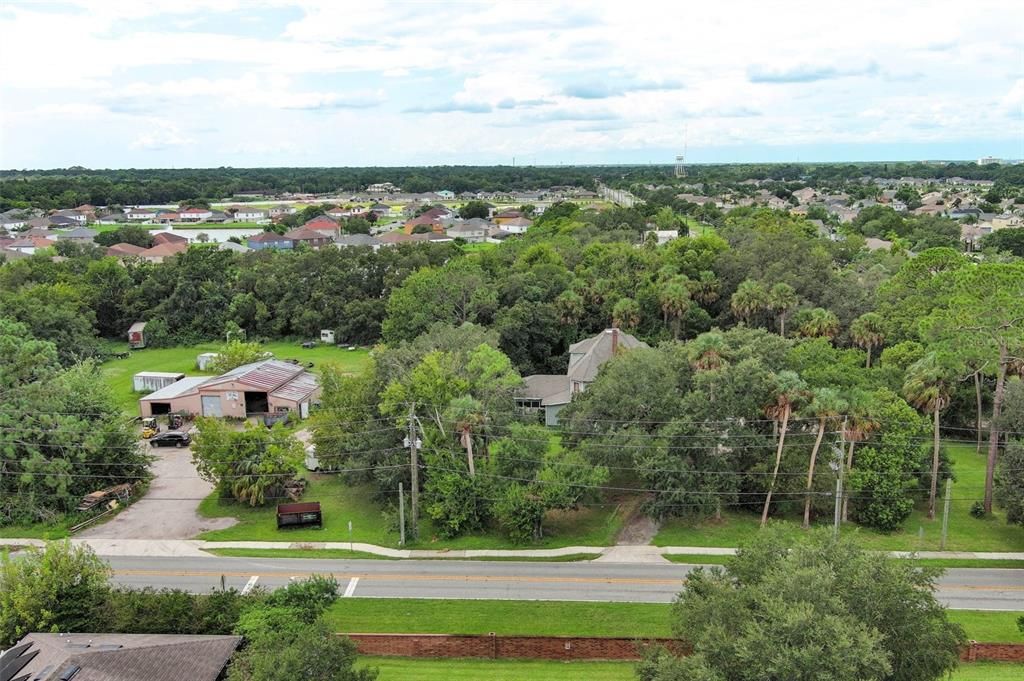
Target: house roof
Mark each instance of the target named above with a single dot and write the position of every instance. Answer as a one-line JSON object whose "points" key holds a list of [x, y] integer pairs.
{"points": [[168, 238], [232, 246], [121, 657], [268, 237], [519, 222], [357, 240], [549, 389], [124, 249], [465, 228], [321, 221], [303, 233], [587, 356], [165, 249], [194, 211], [297, 389]]}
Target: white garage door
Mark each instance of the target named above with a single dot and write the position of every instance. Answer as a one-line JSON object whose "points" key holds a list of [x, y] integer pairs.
{"points": [[211, 405]]}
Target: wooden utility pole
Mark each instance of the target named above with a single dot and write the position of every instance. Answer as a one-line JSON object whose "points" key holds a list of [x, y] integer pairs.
{"points": [[414, 472], [945, 513], [401, 515]]}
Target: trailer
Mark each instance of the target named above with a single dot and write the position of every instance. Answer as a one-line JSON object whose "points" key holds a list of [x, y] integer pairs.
{"points": [[303, 514]]}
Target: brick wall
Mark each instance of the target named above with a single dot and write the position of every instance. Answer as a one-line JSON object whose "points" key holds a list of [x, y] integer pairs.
{"points": [[576, 648], [993, 652], [501, 647]]}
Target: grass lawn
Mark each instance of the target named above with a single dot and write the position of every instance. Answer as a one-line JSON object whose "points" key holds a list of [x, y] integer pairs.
{"points": [[345, 554], [55, 530], [402, 668], [118, 372], [341, 504], [965, 532], [540, 618], [568, 618], [924, 562]]}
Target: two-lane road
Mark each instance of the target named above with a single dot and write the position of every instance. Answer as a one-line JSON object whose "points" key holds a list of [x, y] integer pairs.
{"points": [[974, 589]]}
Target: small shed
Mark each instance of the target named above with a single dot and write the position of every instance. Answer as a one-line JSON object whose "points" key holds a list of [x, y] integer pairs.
{"points": [[204, 360], [137, 335], [150, 381], [297, 515], [327, 336]]}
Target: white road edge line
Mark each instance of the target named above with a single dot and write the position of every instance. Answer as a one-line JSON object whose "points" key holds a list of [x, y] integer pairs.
{"points": [[351, 588], [250, 584]]}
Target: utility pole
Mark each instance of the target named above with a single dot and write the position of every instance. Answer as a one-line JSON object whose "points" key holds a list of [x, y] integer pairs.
{"points": [[401, 515], [945, 513], [837, 466], [414, 472]]}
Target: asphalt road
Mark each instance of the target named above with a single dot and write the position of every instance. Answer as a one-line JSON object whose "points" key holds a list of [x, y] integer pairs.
{"points": [[972, 589]]}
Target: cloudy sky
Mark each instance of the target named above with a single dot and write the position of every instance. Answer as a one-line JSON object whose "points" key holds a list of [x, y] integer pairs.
{"points": [[173, 83]]}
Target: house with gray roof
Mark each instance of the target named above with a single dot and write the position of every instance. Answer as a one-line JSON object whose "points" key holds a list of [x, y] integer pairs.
{"points": [[552, 392], [118, 657], [346, 240], [79, 235]]}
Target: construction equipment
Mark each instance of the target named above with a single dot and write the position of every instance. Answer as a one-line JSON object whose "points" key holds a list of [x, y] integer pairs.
{"points": [[149, 427]]}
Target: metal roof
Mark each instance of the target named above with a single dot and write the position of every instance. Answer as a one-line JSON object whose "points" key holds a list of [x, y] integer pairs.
{"points": [[298, 389], [264, 376], [137, 326], [176, 389]]}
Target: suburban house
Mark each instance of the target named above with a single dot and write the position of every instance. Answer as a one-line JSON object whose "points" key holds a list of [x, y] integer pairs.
{"points": [[168, 238], [82, 235], [661, 236], [282, 210], [195, 214], [552, 392], [140, 214], [310, 237], [267, 386], [76, 216], [1006, 221], [506, 216], [62, 222], [165, 217], [346, 240], [29, 245], [250, 215], [322, 224], [232, 246], [123, 250], [805, 195], [118, 657], [445, 195], [516, 225], [162, 250], [265, 240], [473, 230]]}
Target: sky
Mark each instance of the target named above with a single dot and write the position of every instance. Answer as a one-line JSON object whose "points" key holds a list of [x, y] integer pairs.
{"points": [[248, 83]]}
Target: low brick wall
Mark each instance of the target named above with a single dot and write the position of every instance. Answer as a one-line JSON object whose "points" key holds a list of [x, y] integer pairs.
{"points": [[504, 647], [993, 652]]}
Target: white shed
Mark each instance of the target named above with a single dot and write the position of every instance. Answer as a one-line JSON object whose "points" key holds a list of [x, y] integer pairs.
{"points": [[149, 381], [204, 360], [327, 336]]}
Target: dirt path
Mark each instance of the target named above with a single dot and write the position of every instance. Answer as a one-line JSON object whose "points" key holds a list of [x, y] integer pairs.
{"points": [[169, 508], [639, 529]]}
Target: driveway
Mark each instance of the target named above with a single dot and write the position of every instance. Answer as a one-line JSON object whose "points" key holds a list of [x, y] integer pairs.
{"points": [[169, 508]]}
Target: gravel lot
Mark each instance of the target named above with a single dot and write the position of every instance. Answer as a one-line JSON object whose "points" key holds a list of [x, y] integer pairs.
{"points": [[168, 510]]}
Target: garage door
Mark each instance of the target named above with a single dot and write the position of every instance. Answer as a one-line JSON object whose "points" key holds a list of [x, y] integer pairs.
{"points": [[211, 405]]}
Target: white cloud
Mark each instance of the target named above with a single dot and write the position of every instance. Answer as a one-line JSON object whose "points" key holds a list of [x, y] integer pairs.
{"points": [[162, 135]]}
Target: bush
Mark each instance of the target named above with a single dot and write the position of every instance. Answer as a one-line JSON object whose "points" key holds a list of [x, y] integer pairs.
{"points": [[978, 510]]}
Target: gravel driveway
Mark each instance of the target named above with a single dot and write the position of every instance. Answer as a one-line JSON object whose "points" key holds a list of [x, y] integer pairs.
{"points": [[168, 510]]}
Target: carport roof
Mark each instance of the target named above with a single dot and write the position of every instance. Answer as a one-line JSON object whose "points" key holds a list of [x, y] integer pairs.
{"points": [[298, 389], [265, 376], [176, 389]]}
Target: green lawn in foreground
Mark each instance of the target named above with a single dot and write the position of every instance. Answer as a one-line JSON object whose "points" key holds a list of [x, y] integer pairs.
{"points": [[118, 372], [404, 668], [341, 503], [568, 618], [965, 532]]}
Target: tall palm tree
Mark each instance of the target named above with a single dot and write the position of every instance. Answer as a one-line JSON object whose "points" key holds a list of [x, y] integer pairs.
{"points": [[467, 414], [789, 390], [820, 323], [704, 288], [570, 307], [868, 332], [675, 301], [857, 427], [626, 314], [782, 299], [826, 405], [928, 385], [750, 298]]}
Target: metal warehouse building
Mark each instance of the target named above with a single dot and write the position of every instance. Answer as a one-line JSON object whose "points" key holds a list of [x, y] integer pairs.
{"points": [[263, 387]]}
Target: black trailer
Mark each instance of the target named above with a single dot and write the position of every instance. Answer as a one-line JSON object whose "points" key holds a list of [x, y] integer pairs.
{"points": [[303, 514]]}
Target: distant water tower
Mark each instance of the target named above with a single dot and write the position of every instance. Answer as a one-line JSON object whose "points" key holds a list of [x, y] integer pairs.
{"points": [[680, 168]]}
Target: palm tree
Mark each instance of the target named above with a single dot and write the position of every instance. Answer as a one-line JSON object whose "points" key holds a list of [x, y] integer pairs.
{"points": [[570, 308], [826, 405], [707, 351], [928, 386], [626, 314], [750, 298], [704, 289], [820, 323], [781, 299], [857, 427], [789, 389], [675, 301], [868, 332], [467, 415]]}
